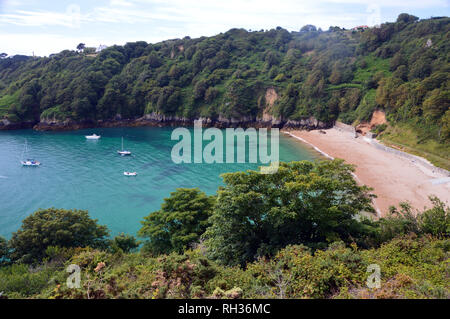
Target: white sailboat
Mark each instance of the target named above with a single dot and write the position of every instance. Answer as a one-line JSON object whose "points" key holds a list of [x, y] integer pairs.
{"points": [[93, 137], [123, 152], [28, 162]]}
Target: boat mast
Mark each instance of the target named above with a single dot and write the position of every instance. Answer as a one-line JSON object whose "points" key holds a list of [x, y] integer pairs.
{"points": [[25, 149]]}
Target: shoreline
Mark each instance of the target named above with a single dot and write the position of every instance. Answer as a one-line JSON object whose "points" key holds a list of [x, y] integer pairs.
{"points": [[157, 120], [308, 143], [393, 177]]}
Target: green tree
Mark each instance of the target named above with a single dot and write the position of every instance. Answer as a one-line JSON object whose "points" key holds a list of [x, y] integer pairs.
{"points": [[445, 131], [124, 242], [396, 61], [55, 227], [4, 250], [436, 104], [183, 217], [407, 18], [81, 46], [406, 220], [302, 203], [436, 220], [308, 28], [398, 222]]}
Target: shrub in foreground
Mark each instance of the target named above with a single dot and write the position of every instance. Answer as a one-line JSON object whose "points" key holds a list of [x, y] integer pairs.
{"points": [[55, 227]]}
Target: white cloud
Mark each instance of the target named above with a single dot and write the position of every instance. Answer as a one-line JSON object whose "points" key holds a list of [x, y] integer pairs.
{"points": [[70, 18], [122, 3], [407, 4], [250, 12], [41, 44]]}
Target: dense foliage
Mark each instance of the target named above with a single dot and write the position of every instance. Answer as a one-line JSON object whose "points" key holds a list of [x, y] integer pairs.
{"points": [[124, 243], [296, 234], [4, 249], [55, 227], [302, 203], [434, 221], [411, 267], [183, 218], [399, 67]]}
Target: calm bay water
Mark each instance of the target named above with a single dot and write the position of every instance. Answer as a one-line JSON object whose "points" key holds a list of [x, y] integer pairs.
{"points": [[85, 174]]}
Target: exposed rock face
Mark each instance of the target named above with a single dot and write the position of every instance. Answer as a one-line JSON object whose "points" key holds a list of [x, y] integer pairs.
{"points": [[378, 118], [164, 118], [5, 124], [267, 118], [309, 123], [160, 120]]}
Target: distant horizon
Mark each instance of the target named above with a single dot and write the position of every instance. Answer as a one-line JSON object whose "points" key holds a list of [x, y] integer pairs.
{"points": [[46, 27]]}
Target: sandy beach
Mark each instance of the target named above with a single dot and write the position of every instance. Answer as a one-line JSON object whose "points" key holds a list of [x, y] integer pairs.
{"points": [[393, 178]]}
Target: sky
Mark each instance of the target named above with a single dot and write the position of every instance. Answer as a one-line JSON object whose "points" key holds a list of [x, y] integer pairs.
{"points": [[44, 27]]}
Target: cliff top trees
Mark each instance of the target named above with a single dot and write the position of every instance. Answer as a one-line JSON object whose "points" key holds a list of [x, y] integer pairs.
{"points": [[81, 46], [404, 17], [308, 28]]}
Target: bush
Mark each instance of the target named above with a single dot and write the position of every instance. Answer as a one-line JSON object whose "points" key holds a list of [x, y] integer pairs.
{"points": [[19, 281], [4, 250], [406, 220], [436, 221], [379, 128], [124, 243], [55, 227]]}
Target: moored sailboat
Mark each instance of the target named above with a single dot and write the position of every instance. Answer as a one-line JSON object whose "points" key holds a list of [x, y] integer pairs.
{"points": [[28, 162], [123, 152]]}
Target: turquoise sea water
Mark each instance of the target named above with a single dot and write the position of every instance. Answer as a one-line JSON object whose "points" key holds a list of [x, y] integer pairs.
{"points": [[85, 174]]}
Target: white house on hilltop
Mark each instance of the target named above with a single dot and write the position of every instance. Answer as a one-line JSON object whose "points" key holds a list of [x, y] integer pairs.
{"points": [[100, 48]]}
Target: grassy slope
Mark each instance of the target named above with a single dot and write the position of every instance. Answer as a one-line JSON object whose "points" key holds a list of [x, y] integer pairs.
{"points": [[403, 137]]}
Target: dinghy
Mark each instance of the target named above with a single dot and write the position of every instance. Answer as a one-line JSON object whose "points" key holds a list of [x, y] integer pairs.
{"points": [[93, 137], [130, 173], [30, 162]]}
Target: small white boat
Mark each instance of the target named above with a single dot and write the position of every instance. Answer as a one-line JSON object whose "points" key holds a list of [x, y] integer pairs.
{"points": [[30, 162], [130, 173], [123, 152], [93, 137]]}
